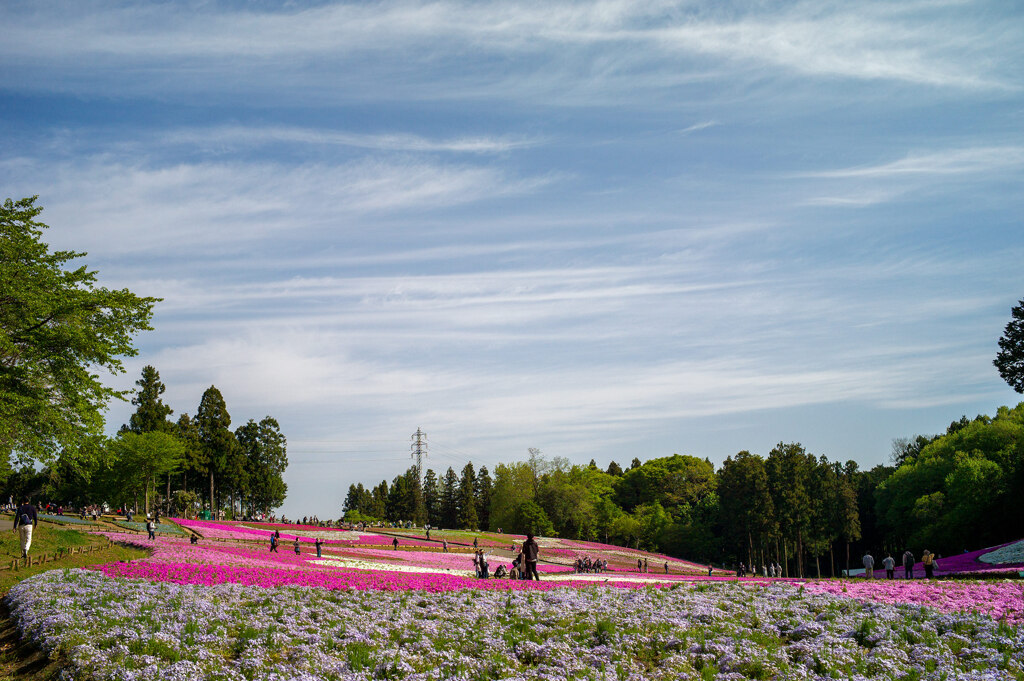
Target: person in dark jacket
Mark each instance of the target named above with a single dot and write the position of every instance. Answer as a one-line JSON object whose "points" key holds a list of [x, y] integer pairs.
{"points": [[530, 553], [25, 519]]}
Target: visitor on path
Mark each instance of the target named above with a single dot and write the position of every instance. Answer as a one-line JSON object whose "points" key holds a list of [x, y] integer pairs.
{"points": [[530, 554], [666, 567], [193, 539], [296, 546], [25, 518], [444, 545], [273, 543], [908, 564], [889, 563], [395, 543], [151, 528], [474, 543], [319, 547], [928, 560], [647, 567], [639, 565], [484, 572], [709, 570], [869, 565]]}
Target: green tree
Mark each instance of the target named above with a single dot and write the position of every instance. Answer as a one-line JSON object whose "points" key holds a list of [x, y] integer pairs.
{"points": [[531, 518], [467, 499], [379, 509], [432, 497], [194, 460], [264, 448], [218, 442], [57, 327], [746, 510], [789, 468], [483, 497], [142, 457], [151, 413], [1010, 358], [513, 484], [450, 499]]}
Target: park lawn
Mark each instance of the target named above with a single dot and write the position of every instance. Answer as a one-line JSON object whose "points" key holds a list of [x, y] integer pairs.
{"points": [[49, 539], [21, 661]]}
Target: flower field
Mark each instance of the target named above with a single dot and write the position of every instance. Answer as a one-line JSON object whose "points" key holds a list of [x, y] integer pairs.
{"points": [[130, 629], [229, 608]]}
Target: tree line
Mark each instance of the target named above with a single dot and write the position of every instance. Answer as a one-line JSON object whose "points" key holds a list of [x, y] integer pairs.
{"points": [[948, 492], [174, 466]]}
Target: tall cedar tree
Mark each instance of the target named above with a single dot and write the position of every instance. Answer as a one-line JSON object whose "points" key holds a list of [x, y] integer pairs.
{"points": [[215, 436], [483, 498], [432, 497], [194, 460], [467, 499], [450, 500], [1010, 359], [57, 327], [151, 413]]}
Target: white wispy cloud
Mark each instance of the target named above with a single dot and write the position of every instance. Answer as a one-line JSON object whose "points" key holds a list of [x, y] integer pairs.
{"points": [[249, 136], [946, 162], [566, 47], [125, 207]]}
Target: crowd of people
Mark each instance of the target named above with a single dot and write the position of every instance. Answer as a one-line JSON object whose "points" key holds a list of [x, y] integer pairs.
{"points": [[588, 564]]}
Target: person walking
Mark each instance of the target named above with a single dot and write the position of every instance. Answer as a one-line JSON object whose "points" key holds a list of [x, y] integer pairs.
{"points": [[530, 555], [889, 563], [25, 519], [869, 565], [395, 543], [928, 560], [908, 564], [639, 565], [151, 528], [273, 543]]}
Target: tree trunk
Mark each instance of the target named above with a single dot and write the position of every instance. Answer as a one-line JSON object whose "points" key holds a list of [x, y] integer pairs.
{"points": [[750, 549], [785, 558], [211, 492], [832, 558], [817, 566], [847, 558], [799, 554]]}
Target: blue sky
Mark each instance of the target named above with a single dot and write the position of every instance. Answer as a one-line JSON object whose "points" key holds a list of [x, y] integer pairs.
{"points": [[607, 230]]}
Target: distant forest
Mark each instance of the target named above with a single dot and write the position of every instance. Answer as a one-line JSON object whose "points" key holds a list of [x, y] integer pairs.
{"points": [[947, 493]]}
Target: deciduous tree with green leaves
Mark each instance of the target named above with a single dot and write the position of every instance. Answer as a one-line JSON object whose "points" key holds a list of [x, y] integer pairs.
{"points": [[57, 327]]}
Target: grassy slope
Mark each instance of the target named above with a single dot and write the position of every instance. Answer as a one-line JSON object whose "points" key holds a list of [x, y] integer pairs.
{"points": [[20, 660]]}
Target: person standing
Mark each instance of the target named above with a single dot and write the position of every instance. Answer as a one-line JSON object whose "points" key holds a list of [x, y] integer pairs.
{"points": [[639, 565], [647, 567], [928, 560], [869, 565], [889, 563], [444, 545], [908, 564], [151, 528], [296, 546], [319, 548], [273, 543], [25, 519], [395, 543], [530, 555], [666, 567]]}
